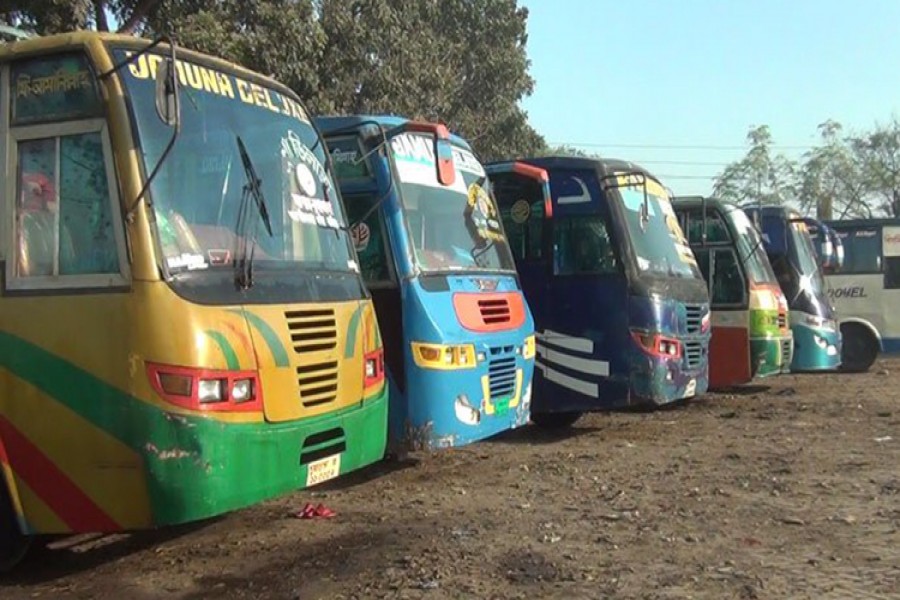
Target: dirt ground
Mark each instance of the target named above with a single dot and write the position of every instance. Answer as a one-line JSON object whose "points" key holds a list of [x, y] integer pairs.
{"points": [[785, 490]]}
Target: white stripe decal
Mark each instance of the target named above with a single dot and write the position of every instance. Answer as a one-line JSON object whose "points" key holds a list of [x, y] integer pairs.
{"points": [[565, 341], [582, 387], [585, 365]]}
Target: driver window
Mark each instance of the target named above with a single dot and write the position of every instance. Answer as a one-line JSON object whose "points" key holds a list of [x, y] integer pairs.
{"points": [[716, 230], [64, 222], [728, 282], [582, 245], [369, 238]]}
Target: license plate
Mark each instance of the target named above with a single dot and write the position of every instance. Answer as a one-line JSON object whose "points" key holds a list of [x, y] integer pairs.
{"points": [[323, 469], [690, 389]]}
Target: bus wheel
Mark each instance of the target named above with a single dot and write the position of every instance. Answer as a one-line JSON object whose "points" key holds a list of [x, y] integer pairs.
{"points": [[555, 420], [13, 543], [860, 348]]}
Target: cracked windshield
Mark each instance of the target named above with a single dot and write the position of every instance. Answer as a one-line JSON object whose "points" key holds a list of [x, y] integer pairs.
{"points": [[659, 245], [198, 193], [455, 227]]}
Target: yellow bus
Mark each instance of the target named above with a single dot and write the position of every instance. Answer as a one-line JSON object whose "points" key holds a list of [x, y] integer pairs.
{"points": [[183, 326]]}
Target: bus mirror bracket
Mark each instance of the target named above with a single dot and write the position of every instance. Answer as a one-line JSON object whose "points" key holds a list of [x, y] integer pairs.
{"points": [[167, 105], [703, 230]]}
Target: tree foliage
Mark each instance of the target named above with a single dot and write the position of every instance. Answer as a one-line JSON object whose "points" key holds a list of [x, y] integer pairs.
{"points": [[462, 62], [760, 177], [844, 176]]}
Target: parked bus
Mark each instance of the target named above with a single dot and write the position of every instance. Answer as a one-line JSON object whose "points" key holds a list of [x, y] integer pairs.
{"points": [[459, 336], [184, 330], [864, 287], [817, 338], [621, 308], [751, 335]]}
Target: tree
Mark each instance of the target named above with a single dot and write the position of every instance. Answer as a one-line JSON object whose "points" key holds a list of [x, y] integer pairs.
{"points": [[55, 16], [831, 179], [879, 155], [567, 150], [759, 177]]}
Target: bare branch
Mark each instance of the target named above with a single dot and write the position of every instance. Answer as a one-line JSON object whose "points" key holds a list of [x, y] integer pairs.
{"points": [[137, 15]]}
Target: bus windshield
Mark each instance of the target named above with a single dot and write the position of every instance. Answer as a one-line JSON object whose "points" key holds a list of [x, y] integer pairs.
{"points": [[455, 227], [197, 194], [805, 256], [659, 244], [752, 250]]}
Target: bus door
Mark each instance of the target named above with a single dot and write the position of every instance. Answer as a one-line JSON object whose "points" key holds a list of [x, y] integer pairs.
{"points": [[578, 296], [523, 196], [715, 251], [363, 189]]}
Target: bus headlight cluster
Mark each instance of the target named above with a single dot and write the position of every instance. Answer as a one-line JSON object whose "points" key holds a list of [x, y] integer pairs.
{"points": [[443, 356]]}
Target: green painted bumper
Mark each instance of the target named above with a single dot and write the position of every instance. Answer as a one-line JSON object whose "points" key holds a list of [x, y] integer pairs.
{"points": [[232, 466], [771, 356]]}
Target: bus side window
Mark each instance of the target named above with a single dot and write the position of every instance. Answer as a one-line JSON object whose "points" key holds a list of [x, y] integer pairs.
{"points": [[525, 237], [702, 256], [892, 272], [728, 283], [370, 239], [582, 245], [64, 221]]}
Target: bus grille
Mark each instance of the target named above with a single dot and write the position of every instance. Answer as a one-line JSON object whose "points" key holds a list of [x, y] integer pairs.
{"points": [[694, 314], [322, 444], [782, 321], [312, 330], [693, 354], [502, 372], [318, 383], [494, 311]]}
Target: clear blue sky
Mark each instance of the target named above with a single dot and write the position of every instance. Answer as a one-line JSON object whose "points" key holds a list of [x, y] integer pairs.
{"points": [[611, 73]]}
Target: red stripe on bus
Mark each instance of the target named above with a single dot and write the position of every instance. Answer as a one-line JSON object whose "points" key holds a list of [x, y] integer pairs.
{"points": [[54, 487]]}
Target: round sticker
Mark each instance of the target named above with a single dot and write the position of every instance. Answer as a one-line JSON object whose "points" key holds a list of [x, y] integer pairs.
{"points": [[360, 234], [305, 179], [520, 211]]}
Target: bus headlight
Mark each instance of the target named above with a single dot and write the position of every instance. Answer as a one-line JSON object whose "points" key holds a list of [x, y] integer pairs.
{"points": [[209, 390], [443, 356], [528, 348], [242, 390]]}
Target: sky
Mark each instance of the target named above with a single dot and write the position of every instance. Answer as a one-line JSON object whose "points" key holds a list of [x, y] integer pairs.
{"points": [[676, 85]]}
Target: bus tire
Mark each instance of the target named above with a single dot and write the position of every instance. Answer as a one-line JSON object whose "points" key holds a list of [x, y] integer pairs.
{"points": [[555, 420], [14, 544], [859, 348]]}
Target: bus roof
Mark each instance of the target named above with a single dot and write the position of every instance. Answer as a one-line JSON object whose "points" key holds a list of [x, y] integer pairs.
{"points": [[83, 39], [847, 223], [329, 124], [688, 202], [607, 166]]}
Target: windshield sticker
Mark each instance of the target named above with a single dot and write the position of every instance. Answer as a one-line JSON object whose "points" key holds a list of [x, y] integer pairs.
{"points": [[414, 157], [188, 261], [309, 184], [211, 81], [520, 212], [891, 240], [482, 216], [360, 234], [351, 264]]}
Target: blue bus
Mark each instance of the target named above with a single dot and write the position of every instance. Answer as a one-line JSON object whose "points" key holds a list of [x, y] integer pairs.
{"points": [[458, 335], [620, 305], [789, 246]]}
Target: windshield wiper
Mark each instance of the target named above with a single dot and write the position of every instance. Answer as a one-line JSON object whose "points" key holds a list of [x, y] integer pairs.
{"points": [[246, 234]]}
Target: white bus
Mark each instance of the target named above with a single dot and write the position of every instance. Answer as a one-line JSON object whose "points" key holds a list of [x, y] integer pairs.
{"points": [[865, 289]]}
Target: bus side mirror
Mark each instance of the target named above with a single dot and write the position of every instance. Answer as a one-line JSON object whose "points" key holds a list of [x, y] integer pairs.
{"points": [[443, 152], [167, 93]]}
